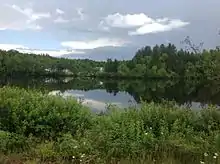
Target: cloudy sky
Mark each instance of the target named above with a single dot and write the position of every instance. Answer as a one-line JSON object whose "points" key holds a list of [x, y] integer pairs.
{"points": [[100, 29]]}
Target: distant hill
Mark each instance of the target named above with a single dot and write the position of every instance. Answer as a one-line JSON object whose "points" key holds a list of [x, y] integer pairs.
{"points": [[102, 54]]}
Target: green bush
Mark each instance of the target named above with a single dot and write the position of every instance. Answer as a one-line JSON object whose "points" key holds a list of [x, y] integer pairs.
{"points": [[67, 146], [154, 128], [46, 151], [10, 143], [57, 129], [31, 112]]}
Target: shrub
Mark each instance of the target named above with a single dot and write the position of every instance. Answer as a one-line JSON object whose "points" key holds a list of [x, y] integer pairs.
{"points": [[31, 112], [46, 151], [154, 131], [11, 143]]}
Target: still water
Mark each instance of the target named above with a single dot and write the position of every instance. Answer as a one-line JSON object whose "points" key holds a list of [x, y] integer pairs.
{"points": [[98, 99], [97, 94]]}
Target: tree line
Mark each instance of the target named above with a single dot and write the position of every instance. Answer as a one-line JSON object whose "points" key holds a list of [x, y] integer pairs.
{"points": [[160, 61], [166, 61], [14, 63]]}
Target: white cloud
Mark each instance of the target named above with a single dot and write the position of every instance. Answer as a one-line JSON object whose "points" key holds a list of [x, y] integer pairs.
{"points": [[60, 20], [21, 18], [126, 21], [11, 46], [35, 27], [30, 13], [101, 42], [80, 16], [80, 13], [158, 27], [54, 53], [24, 49], [59, 11], [102, 26], [142, 22]]}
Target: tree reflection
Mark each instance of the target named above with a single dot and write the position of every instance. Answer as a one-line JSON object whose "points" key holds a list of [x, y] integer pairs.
{"points": [[184, 92]]}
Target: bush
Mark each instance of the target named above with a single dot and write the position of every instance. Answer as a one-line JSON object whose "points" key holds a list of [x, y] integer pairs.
{"points": [[31, 112], [154, 129], [45, 151], [62, 129], [11, 143]]}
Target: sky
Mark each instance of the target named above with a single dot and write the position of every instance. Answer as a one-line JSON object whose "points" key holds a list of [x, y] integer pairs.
{"points": [[101, 29]]}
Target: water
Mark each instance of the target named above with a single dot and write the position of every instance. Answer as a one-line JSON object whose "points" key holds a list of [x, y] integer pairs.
{"points": [[97, 93], [98, 99]]}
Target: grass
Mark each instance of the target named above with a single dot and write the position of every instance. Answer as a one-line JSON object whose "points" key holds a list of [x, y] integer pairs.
{"points": [[38, 128]]}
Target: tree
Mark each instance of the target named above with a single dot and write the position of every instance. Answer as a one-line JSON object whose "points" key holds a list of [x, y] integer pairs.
{"points": [[123, 69]]}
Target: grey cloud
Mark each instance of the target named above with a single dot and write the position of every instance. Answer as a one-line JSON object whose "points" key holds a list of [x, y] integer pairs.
{"points": [[203, 15], [12, 17], [105, 53]]}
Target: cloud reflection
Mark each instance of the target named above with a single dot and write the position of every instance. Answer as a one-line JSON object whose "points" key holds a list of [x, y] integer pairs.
{"points": [[91, 103]]}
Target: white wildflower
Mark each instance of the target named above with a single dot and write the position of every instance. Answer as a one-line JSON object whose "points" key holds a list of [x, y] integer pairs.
{"points": [[75, 147], [214, 157], [73, 157], [83, 155], [201, 162], [150, 128], [146, 133], [205, 154], [216, 154]]}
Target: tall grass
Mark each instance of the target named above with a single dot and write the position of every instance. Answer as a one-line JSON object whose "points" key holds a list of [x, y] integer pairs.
{"points": [[38, 127]]}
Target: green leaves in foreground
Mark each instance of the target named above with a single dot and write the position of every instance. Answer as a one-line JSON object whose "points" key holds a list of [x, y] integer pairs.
{"points": [[12, 143], [31, 112], [54, 128]]}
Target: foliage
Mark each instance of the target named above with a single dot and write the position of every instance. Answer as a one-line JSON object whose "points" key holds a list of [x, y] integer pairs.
{"points": [[30, 112], [12, 142], [160, 61], [182, 91], [13, 63], [51, 128]]}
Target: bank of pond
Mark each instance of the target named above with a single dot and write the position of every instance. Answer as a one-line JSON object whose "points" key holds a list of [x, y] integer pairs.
{"points": [[36, 127], [96, 93]]}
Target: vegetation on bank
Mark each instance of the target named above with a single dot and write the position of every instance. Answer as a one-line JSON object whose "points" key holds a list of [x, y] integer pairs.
{"points": [[182, 91], [160, 61], [35, 127]]}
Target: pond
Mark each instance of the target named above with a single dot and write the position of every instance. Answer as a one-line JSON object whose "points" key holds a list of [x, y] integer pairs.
{"points": [[99, 93]]}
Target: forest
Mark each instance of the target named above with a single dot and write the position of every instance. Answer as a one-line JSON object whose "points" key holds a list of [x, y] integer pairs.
{"points": [[160, 61], [14, 63]]}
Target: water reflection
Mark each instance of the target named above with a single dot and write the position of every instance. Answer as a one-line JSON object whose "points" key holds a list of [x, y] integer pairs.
{"points": [[98, 100], [96, 93]]}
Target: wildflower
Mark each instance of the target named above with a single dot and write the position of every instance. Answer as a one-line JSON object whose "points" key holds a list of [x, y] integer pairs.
{"points": [[83, 155], [75, 147], [216, 154], [214, 157], [150, 128], [146, 133], [162, 133], [205, 154], [73, 157], [201, 162]]}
